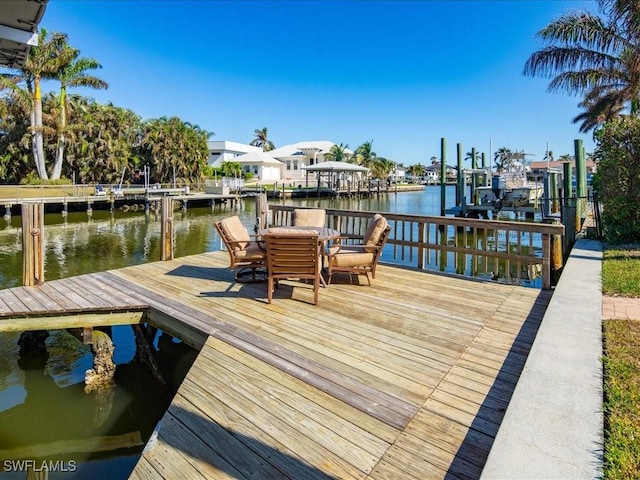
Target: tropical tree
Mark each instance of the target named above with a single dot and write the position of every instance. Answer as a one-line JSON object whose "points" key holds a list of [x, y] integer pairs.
{"points": [[503, 159], [595, 57], [44, 61], [261, 140], [106, 146], [364, 155], [15, 155], [381, 167], [73, 74], [231, 169], [417, 170], [475, 159], [174, 150], [338, 153]]}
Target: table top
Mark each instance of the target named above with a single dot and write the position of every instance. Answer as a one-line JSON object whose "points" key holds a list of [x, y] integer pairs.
{"points": [[324, 233]]}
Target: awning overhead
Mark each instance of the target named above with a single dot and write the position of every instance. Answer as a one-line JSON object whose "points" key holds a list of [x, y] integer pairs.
{"points": [[19, 21], [334, 167]]}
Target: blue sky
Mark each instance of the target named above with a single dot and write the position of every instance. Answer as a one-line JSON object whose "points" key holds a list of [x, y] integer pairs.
{"points": [[401, 73]]}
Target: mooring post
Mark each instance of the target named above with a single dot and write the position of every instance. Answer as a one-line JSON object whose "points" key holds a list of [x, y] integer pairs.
{"points": [[581, 183], [460, 180], [443, 175], [262, 210], [7, 212], [32, 244], [166, 229]]}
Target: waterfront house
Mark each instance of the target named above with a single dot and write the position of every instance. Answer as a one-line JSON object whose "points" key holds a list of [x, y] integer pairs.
{"points": [[226, 151], [263, 166], [297, 155]]}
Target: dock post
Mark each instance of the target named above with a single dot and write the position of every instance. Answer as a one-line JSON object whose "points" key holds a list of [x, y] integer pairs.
{"points": [[555, 208], [89, 208], [581, 183], [262, 212], [474, 176], [65, 208], [443, 175], [166, 229], [460, 183], [7, 212], [32, 244]]}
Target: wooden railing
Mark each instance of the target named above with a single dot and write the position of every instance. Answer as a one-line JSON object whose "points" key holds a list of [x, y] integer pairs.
{"points": [[508, 251]]}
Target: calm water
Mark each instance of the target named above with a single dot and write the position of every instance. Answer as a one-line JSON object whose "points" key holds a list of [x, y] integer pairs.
{"points": [[78, 245], [45, 415]]}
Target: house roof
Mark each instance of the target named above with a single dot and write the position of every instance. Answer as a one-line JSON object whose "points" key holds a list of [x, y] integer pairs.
{"points": [[257, 158], [300, 148], [19, 21], [334, 167]]}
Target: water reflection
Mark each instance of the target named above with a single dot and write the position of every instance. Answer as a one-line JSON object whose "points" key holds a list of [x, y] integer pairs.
{"points": [[78, 244], [46, 416]]}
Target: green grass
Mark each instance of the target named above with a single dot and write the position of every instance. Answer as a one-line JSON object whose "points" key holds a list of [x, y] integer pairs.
{"points": [[622, 399], [621, 272], [621, 276]]}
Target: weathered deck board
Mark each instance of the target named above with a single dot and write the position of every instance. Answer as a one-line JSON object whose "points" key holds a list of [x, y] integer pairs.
{"points": [[408, 378]]}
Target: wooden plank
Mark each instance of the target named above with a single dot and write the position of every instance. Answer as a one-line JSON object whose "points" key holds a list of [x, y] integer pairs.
{"points": [[77, 284], [63, 301], [78, 320], [144, 470], [245, 367], [273, 424], [45, 304], [66, 288], [350, 414], [199, 455], [13, 302], [217, 445]]}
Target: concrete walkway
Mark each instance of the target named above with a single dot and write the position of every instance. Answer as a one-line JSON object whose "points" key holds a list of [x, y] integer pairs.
{"points": [[553, 426]]}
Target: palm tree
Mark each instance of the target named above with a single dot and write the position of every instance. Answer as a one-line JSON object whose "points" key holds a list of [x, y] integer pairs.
{"points": [[338, 153], [44, 61], [364, 155], [475, 159], [175, 150], [503, 159], [598, 58], [73, 74], [261, 140], [381, 167]]}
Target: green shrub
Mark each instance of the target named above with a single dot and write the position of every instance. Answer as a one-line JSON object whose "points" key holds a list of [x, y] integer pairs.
{"points": [[617, 181], [33, 179]]}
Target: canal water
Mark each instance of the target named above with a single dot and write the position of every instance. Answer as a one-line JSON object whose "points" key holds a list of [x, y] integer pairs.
{"points": [[44, 412]]}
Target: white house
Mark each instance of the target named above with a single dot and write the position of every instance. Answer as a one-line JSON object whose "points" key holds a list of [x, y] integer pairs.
{"points": [[224, 150], [264, 167], [297, 155]]}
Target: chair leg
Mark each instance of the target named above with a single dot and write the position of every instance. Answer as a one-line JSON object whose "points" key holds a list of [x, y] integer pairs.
{"points": [[368, 279], [269, 289], [316, 289]]}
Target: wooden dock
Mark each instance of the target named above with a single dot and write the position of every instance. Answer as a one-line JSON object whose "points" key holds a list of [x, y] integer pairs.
{"points": [[406, 379]]}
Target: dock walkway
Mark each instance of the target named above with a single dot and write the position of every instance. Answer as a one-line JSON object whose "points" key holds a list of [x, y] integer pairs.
{"points": [[409, 378]]}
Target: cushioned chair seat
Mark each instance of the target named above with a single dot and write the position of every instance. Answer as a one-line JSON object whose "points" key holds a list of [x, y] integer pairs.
{"points": [[361, 259], [352, 257], [245, 255]]}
